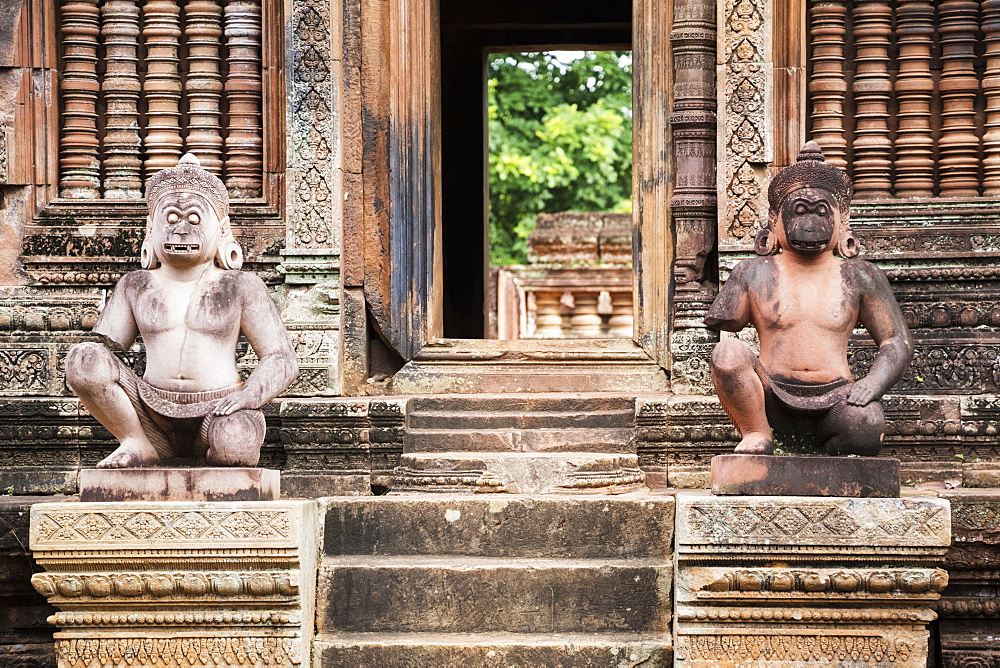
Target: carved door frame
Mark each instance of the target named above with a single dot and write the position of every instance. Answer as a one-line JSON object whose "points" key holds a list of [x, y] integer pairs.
{"points": [[401, 227]]}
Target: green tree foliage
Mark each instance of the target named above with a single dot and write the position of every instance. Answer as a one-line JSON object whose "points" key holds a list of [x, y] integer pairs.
{"points": [[560, 139]]}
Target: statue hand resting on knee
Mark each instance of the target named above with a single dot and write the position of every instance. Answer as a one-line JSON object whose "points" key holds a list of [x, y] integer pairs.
{"points": [[190, 303], [804, 302]]}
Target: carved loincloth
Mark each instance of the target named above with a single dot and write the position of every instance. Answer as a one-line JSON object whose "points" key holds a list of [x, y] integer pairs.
{"points": [[808, 397], [147, 399], [799, 413], [799, 396]]}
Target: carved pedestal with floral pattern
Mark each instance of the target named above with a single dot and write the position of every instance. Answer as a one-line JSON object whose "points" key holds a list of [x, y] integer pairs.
{"points": [[798, 581], [178, 583]]}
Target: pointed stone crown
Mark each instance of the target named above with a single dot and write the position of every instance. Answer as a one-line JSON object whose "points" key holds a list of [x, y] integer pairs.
{"points": [[811, 170], [188, 177]]}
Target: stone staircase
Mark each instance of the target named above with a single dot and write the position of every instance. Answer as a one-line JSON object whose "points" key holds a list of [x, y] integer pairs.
{"points": [[523, 443], [496, 580]]}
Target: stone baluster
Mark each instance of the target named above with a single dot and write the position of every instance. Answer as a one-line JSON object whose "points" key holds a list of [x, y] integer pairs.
{"points": [[991, 87], [203, 86], [122, 146], [79, 167], [872, 87], [244, 143], [548, 314], [958, 165], [827, 84], [162, 87], [620, 323], [585, 321], [914, 90]]}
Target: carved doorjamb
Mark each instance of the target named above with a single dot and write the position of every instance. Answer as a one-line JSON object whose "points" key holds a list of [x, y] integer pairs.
{"points": [[400, 235]]}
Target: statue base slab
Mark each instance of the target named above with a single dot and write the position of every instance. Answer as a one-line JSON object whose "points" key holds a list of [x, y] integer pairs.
{"points": [[180, 484], [786, 475]]}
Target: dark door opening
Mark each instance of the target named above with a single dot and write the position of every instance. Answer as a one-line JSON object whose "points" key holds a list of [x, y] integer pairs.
{"points": [[469, 31]]}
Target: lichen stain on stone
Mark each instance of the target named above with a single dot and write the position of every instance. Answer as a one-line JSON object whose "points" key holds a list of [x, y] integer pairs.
{"points": [[498, 505], [452, 515]]}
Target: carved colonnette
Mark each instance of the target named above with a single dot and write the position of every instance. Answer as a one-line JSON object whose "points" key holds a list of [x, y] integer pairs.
{"points": [[969, 612], [787, 581], [178, 583]]}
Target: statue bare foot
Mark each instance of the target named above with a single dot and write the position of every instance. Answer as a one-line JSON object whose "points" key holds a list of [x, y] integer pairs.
{"points": [[755, 443], [130, 454]]}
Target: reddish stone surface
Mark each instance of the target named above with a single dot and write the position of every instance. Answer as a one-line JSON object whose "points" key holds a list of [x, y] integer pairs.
{"points": [[180, 484], [771, 475]]}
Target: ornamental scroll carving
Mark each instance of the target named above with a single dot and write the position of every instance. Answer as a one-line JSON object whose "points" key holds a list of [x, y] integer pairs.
{"points": [[230, 651], [907, 521], [860, 650], [311, 127], [745, 144], [177, 527]]}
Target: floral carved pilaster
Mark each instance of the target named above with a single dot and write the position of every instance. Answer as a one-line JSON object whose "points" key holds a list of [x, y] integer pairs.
{"points": [[311, 259], [745, 144]]}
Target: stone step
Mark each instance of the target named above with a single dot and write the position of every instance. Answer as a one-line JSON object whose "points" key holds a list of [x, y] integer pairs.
{"points": [[504, 419], [636, 525], [489, 650], [524, 403], [476, 595], [518, 472], [514, 440]]}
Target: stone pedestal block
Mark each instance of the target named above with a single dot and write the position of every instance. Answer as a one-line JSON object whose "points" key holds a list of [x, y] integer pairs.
{"points": [[178, 583], [180, 484], [969, 608], [791, 582], [765, 475]]}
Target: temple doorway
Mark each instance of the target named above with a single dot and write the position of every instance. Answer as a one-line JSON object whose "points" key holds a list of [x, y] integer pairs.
{"points": [[479, 301]]}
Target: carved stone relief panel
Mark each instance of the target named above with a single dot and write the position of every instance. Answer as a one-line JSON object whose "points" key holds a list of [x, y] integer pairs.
{"points": [[746, 145], [202, 583], [314, 200]]}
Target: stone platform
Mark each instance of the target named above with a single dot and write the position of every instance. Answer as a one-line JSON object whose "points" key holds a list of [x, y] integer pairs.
{"points": [[791, 582], [178, 583], [788, 475], [180, 484]]}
